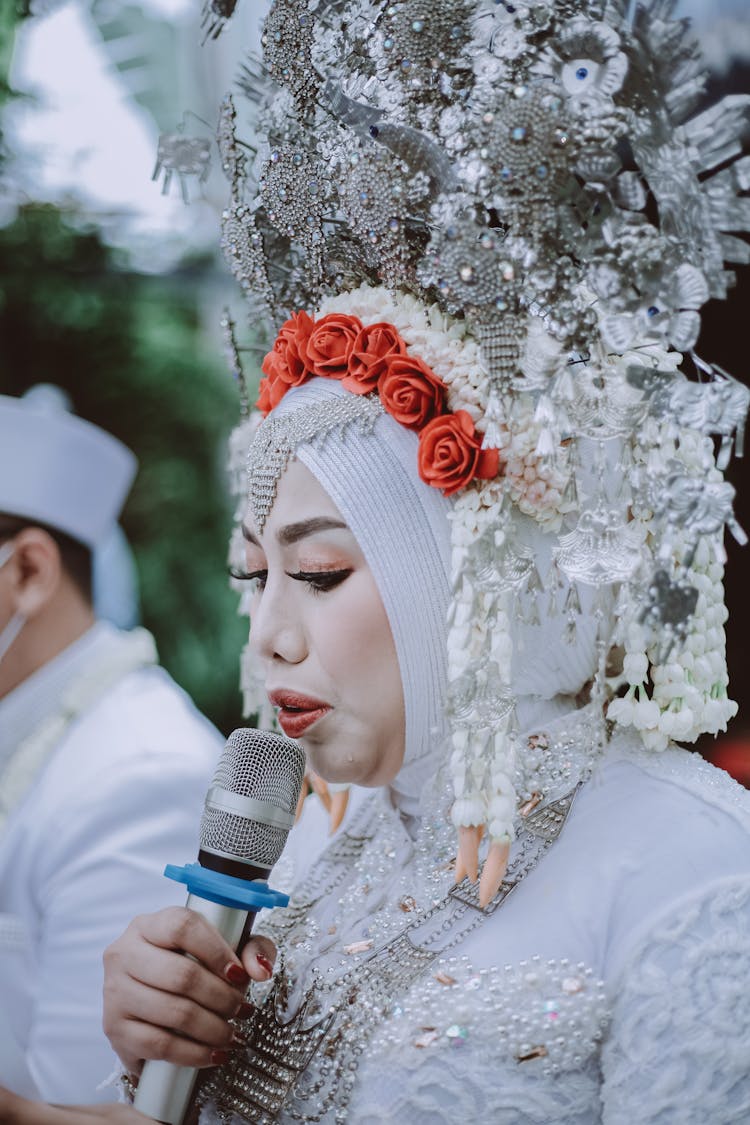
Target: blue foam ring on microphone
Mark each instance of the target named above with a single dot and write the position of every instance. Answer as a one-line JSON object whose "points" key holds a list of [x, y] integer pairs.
{"points": [[226, 890]]}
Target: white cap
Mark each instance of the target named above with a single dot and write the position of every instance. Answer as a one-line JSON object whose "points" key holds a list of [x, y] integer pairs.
{"points": [[61, 471]]}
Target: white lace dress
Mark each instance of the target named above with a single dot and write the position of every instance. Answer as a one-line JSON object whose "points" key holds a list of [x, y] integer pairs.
{"points": [[610, 987]]}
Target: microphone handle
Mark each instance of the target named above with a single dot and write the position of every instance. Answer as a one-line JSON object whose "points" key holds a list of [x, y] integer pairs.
{"points": [[165, 1090]]}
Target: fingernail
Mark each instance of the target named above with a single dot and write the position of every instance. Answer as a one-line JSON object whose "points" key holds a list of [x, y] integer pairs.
{"points": [[218, 1058], [245, 1010], [235, 974], [265, 964]]}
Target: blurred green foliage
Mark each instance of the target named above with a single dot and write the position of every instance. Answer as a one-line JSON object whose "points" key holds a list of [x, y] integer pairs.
{"points": [[11, 13], [129, 351]]}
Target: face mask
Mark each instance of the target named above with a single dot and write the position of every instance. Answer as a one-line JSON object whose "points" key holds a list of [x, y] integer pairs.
{"points": [[10, 631]]}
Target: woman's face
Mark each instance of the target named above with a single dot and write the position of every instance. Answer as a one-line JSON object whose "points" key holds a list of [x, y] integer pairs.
{"points": [[321, 634]]}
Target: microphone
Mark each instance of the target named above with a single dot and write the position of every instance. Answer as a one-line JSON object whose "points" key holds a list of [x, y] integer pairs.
{"points": [[247, 815]]}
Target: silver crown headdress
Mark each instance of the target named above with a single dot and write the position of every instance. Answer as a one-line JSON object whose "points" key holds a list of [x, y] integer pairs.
{"points": [[533, 182]]}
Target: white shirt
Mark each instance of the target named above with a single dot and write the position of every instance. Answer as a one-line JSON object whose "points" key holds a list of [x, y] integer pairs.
{"points": [[84, 852]]}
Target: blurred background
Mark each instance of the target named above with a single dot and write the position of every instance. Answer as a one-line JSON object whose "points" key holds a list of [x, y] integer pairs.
{"points": [[112, 289]]}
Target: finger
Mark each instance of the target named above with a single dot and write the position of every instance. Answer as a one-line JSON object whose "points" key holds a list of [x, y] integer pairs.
{"points": [[259, 957], [170, 972], [150, 1042], [187, 931], [176, 1013]]}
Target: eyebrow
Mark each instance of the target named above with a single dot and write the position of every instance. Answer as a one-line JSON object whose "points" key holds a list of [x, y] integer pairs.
{"points": [[293, 532]]}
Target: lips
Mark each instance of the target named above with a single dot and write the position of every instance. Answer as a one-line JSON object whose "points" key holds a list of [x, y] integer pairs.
{"points": [[297, 713]]}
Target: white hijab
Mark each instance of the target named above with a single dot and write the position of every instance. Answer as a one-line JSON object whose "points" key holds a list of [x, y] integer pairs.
{"points": [[402, 526]]}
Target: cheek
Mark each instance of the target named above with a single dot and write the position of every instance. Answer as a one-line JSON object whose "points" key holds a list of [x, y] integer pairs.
{"points": [[356, 645]]}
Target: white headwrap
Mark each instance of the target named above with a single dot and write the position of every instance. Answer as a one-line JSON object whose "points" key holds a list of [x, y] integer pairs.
{"points": [[402, 526]]}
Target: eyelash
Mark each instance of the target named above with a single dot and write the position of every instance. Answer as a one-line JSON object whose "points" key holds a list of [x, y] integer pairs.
{"points": [[319, 581]]}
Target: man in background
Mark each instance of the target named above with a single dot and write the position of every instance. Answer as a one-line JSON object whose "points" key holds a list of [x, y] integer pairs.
{"points": [[104, 761]]}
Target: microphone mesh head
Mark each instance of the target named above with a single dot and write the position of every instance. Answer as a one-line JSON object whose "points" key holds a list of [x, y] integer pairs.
{"points": [[267, 767]]}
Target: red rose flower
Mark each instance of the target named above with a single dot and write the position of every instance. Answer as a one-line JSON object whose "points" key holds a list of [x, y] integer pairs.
{"points": [[285, 366], [264, 401], [411, 391], [330, 344], [373, 345], [450, 453]]}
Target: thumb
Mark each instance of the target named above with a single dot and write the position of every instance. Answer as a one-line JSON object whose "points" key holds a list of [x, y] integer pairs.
{"points": [[258, 958]]}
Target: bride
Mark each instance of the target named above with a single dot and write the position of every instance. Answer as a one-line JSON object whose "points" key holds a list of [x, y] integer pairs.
{"points": [[606, 987], [483, 538]]}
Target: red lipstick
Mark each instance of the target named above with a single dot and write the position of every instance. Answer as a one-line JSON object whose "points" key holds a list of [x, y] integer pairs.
{"points": [[297, 713]]}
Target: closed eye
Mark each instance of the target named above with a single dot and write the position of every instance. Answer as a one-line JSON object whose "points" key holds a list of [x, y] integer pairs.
{"points": [[321, 580], [258, 576]]}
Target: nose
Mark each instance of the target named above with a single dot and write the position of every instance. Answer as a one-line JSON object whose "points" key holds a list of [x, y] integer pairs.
{"points": [[276, 629]]}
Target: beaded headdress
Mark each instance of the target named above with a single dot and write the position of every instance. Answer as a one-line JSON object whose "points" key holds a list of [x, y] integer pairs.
{"points": [[499, 222]]}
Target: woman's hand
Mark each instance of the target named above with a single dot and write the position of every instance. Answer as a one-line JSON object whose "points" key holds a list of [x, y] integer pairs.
{"points": [[160, 1004], [20, 1111]]}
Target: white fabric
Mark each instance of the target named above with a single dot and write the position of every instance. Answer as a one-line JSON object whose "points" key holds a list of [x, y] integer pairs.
{"points": [[649, 888], [60, 470], [402, 527], [83, 854], [34, 700]]}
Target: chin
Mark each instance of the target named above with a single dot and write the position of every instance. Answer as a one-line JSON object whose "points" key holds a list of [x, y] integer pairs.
{"points": [[341, 760], [332, 766]]}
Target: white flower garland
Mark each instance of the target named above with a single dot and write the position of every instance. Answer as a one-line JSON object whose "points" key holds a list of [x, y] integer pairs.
{"points": [[687, 695]]}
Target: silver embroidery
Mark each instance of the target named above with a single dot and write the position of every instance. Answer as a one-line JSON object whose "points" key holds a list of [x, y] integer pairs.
{"points": [[279, 436]]}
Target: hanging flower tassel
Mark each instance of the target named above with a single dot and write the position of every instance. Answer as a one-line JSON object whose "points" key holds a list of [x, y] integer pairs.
{"points": [[687, 694], [493, 872], [339, 804], [483, 759], [467, 860]]}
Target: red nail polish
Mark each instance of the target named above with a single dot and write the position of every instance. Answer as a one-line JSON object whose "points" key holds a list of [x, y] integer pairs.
{"points": [[218, 1058], [264, 963], [235, 974], [246, 1010]]}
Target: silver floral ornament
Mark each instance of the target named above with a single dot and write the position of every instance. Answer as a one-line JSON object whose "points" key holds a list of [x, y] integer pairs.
{"points": [[378, 197], [233, 160], [601, 408], [527, 146], [630, 191], [292, 191], [589, 61], [244, 252], [696, 506], [719, 407], [669, 605], [669, 315], [465, 262], [601, 124], [601, 549], [423, 36], [182, 156], [287, 38], [496, 569]]}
